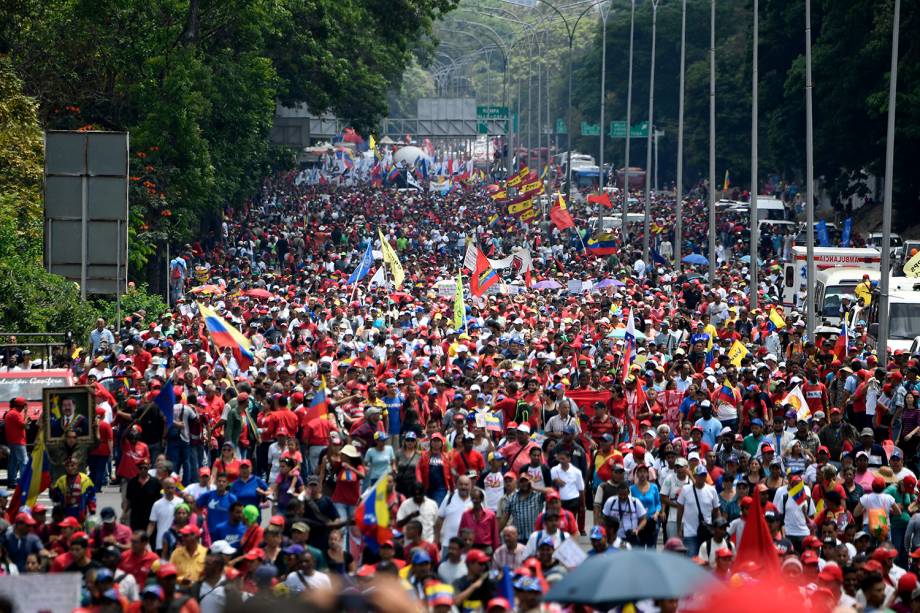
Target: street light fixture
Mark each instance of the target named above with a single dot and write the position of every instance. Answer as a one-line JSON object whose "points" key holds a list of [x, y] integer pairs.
{"points": [[678, 234]]}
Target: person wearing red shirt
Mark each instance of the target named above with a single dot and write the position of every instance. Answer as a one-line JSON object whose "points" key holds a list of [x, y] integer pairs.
{"points": [[815, 394], [466, 460], [16, 423], [98, 457], [139, 560], [482, 522]]}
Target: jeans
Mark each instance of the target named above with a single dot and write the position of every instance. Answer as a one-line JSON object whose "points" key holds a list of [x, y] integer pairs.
{"points": [[98, 471], [195, 455], [313, 458], [648, 537], [692, 543], [177, 451], [18, 460]]}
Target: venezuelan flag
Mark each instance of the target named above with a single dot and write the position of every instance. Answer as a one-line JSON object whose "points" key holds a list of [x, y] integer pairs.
{"points": [[393, 174], [373, 515], [319, 406], [776, 320], [602, 244], [225, 334], [34, 479], [727, 393], [797, 492]]}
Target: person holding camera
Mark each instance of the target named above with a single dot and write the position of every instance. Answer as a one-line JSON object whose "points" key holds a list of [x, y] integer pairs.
{"points": [[629, 512]]}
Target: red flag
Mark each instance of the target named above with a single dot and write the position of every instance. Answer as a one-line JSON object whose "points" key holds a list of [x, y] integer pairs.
{"points": [[601, 199], [756, 542], [842, 346], [484, 276], [559, 214]]}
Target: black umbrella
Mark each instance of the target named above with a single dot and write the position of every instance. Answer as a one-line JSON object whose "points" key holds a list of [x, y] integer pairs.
{"points": [[607, 580]]}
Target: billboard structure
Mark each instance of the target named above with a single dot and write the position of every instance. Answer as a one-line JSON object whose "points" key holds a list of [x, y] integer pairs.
{"points": [[86, 209]]}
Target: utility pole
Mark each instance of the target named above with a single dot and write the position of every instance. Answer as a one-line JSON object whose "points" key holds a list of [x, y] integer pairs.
{"points": [[810, 186], [884, 321], [646, 239], [712, 141], [632, 28], [679, 188], [755, 230], [605, 11]]}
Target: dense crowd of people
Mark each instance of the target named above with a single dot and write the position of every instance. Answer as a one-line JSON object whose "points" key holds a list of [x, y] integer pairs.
{"points": [[538, 433]]}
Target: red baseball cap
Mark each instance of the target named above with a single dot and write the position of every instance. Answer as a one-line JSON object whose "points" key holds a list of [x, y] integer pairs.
{"points": [[167, 570], [475, 555], [25, 518], [498, 603], [69, 522], [190, 529], [831, 573], [276, 520]]}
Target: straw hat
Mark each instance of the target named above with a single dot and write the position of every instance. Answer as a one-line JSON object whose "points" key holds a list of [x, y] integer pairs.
{"points": [[350, 451]]}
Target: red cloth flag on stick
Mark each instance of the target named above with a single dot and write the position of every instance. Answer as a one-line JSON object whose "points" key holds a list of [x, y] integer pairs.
{"points": [[603, 198], [559, 214], [756, 541], [484, 276]]}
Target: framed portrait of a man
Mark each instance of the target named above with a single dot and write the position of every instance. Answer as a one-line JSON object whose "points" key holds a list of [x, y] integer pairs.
{"points": [[68, 413]]}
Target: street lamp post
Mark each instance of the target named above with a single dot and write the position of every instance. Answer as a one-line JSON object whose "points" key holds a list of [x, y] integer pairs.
{"points": [[648, 142], [605, 12], [632, 29], [712, 141], [809, 186], [754, 229], [679, 211], [883, 319]]}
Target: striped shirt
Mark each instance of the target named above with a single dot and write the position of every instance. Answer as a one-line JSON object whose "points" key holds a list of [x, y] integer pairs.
{"points": [[523, 511]]}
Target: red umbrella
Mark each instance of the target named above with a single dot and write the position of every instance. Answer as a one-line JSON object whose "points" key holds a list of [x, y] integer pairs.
{"points": [[258, 292]]}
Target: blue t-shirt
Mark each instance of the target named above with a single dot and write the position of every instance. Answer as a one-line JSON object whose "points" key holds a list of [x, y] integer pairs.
{"points": [[229, 532], [218, 507], [651, 499], [394, 406], [246, 492], [436, 470], [378, 462]]}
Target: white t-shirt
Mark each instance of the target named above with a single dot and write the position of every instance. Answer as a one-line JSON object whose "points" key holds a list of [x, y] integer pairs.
{"points": [[573, 481], [162, 514], [196, 490], [671, 488], [875, 501], [299, 581], [709, 501], [451, 510], [795, 515], [428, 513], [493, 484]]}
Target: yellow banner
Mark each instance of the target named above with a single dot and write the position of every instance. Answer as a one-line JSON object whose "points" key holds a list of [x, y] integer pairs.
{"points": [[390, 257], [533, 188], [519, 207], [529, 215], [912, 266], [736, 353]]}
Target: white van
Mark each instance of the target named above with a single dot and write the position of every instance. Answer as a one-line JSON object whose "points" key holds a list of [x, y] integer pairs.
{"points": [[795, 272], [903, 318], [834, 284]]}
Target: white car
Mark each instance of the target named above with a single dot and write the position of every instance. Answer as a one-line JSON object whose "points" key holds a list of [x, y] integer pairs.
{"points": [[897, 245]]}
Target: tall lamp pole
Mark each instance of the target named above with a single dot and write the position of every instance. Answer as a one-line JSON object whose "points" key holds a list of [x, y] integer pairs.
{"points": [[809, 186], [632, 29], [648, 141], [605, 12], [755, 231], [712, 141], [883, 319], [679, 212]]}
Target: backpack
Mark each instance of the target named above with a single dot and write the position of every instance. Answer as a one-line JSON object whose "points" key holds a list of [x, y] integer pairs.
{"points": [[878, 523]]}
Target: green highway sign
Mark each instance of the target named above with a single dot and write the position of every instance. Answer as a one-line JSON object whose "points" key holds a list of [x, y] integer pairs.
{"points": [[560, 126], [618, 130], [491, 112], [482, 127], [590, 129]]}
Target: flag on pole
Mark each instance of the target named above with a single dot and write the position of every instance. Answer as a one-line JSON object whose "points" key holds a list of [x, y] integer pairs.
{"points": [[390, 257], [603, 198], [559, 214], [469, 258], [34, 479], [319, 406], [378, 279], [459, 307], [364, 266], [224, 334], [373, 514], [166, 402], [484, 275], [726, 183], [737, 352], [776, 320], [796, 398], [756, 544], [842, 346], [629, 340]]}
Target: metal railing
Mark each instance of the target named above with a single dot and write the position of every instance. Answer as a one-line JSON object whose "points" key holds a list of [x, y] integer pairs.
{"points": [[51, 349]]}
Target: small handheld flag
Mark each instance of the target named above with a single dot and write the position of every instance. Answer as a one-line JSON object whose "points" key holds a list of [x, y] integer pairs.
{"points": [[364, 266], [224, 334], [390, 257]]}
